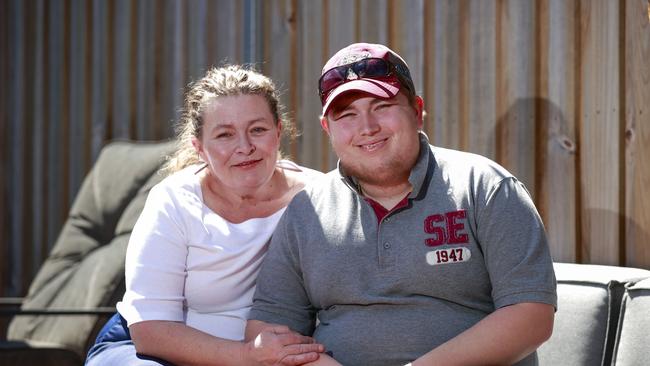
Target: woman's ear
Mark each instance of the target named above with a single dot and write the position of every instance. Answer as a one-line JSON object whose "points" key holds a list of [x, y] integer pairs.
{"points": [[198, 147]]}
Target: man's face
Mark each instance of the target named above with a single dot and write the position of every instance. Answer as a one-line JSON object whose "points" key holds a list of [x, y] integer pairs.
{"points": [[375, 139]]}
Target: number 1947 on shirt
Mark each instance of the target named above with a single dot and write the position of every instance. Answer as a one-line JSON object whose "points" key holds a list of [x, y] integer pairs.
{"points": [[448, 255]]}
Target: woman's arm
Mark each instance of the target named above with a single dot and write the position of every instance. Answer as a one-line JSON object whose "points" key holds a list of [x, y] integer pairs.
{"points": [[184, 345]]}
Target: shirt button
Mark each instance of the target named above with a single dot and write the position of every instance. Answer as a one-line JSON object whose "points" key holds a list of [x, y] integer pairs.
{"points": [[387, 245], [387, 219]]}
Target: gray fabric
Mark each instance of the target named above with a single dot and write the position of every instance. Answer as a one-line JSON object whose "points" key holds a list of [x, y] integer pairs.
{"points": [[633, 336], [379, 298], [86, 266], [589, 297]]}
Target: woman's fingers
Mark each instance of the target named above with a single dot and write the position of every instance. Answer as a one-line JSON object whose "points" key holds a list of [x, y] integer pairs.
{"points": [[295, 338], [299, 359]]}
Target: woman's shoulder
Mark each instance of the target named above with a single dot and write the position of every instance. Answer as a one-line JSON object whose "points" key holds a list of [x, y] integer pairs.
{"points": [[300, 173], [182, 182]]}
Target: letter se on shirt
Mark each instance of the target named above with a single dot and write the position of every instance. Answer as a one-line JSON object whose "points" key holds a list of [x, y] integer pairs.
{"points": [[447, 228]]}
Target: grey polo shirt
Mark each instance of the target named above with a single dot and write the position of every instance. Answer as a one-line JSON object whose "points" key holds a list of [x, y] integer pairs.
{"points": [[469, 241]]}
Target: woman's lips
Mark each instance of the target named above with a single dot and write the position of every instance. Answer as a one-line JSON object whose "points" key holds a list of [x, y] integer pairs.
{"points": [[248, 163]]}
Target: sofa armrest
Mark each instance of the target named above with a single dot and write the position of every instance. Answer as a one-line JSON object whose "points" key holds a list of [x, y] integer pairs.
{"points": [[31, 354]]}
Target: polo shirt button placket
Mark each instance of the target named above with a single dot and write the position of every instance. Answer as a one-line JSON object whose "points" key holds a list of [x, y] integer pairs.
{"points": [[386, 245]]}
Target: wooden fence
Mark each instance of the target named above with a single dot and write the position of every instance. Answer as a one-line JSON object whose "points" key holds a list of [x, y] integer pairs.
{"points": [[557, 91]]}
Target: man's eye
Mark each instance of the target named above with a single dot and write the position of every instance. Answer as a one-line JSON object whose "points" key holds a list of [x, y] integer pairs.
{"points": [[259, 129], [344, 115], [223, 135], [383, 105]]}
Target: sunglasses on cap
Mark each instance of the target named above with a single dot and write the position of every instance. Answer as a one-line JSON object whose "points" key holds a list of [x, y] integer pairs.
{"points": [[369, 68]]}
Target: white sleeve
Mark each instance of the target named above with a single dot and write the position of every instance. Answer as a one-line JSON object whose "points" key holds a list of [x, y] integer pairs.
{"points": [[155, 266]]}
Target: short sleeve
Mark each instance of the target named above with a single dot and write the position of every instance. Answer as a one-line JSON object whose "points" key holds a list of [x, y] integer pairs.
{"points": [[512, 237], [155, 266], [289, 303]]}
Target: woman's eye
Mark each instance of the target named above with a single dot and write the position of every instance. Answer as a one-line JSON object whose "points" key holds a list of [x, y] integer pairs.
{"points": [[259, 129], [224, 135]]}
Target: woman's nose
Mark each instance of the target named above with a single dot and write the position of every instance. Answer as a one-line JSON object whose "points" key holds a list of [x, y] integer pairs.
{"points": [[245, 146]]}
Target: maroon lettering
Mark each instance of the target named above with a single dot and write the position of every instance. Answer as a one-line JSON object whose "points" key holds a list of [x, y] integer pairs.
{"points": [[438, 232], [454, 226], [446, 229]]}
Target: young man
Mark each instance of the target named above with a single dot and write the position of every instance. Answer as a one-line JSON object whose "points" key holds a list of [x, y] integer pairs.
{"points": [[407, 253]]}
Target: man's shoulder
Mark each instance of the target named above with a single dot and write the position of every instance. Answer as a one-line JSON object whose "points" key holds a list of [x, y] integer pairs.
{"points": [[464, 162]]}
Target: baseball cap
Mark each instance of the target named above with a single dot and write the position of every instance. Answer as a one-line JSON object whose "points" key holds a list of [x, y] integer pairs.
{"points": [[370, 68]]}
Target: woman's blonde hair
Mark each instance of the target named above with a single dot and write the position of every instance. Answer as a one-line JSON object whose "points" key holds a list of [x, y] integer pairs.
{"points": [[223, 81]]}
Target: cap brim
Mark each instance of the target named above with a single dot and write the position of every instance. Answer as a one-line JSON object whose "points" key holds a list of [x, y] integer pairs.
{"points": [[381, 89]]}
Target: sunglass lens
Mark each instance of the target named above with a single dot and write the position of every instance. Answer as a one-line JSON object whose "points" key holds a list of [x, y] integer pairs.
{"points": [[371, 67]]}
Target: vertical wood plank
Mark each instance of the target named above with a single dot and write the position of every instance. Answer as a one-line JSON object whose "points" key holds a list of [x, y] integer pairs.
{"points": [[172, 75], [637, 133], [444, 76], [310, 56], [78, 101], [38, 141], [341, 31], [57, 123], [279, 31], [407, 37], [372, 21], [516, 90], [146, 68], [599, 131], [17, 160], [100, 90], [480, 104], [121, 69], [5, 208], [226, 25], [556, 104], [196, 31]]}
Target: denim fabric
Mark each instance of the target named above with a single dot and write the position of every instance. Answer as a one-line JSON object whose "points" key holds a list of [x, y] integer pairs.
{"points": [[113, 346]]}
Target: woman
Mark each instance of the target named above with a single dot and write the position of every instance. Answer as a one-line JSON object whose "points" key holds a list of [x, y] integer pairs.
{"points": [[195, 251]]}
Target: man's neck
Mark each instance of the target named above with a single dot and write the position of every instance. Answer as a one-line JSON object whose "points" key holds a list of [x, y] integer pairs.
{"points": [[387, 196]]}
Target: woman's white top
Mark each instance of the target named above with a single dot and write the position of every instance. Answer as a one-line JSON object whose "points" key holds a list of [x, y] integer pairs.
{"points": [[187, 264]]}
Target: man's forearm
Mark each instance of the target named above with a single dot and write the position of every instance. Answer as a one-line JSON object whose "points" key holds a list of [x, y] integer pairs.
{"points": [[502, 338]]}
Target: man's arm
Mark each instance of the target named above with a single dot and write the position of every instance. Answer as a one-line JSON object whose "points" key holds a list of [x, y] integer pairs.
{"points": [[502, 338]]}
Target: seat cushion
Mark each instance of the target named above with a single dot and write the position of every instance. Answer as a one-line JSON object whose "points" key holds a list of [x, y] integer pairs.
{"points": [[633, 334], [85, 268], [589, 298]]}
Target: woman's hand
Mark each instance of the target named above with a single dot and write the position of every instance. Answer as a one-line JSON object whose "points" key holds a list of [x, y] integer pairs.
{"points": [[278, 345]]}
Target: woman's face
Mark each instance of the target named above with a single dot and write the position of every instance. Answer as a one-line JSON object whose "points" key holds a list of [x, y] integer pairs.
{"points": [[240, 141]]}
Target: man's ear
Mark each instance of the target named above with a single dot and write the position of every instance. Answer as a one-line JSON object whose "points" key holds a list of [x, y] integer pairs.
{"points": [[419, 110], [279, 128], [324, 124]]}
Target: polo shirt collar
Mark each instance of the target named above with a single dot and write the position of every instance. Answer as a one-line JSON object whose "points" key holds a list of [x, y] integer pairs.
{"points": [[417, 177]]}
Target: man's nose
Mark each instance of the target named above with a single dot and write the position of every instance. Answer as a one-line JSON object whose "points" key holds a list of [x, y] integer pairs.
{"points": [[369, 124]]}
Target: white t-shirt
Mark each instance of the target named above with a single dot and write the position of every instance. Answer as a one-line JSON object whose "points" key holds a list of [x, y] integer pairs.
{"points": [[185, 263]]}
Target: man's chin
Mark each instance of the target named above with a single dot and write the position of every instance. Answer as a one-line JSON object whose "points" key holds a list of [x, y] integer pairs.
{"points": [[388, 173]]}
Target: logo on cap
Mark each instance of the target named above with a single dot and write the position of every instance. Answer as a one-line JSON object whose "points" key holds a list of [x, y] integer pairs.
{"points": [[353, 57]]}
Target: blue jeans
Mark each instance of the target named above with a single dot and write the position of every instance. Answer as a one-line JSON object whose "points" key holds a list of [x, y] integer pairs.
{"points": [[113, 346]]}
